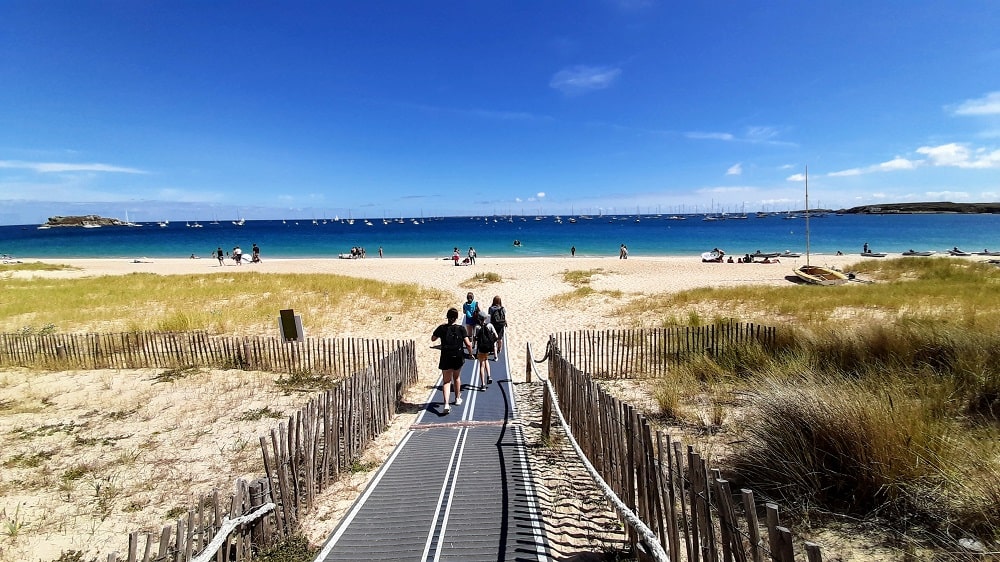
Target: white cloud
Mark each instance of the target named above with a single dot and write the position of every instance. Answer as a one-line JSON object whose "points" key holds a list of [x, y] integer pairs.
{"points": [[897, 163], [753, 135], [986, 105], [796, 177], [735, 170], [761, 134], [947, 195], [953, 155], [60, 167], [582, 79], [961, 156], [846, 173], [540, 195], [710, 136]]}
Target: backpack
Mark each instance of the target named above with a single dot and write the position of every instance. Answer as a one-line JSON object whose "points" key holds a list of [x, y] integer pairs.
{"points": [[486, 338], [453, 339], [498, 316]]}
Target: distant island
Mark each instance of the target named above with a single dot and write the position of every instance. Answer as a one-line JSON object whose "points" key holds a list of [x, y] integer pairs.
{"points": [[939, 207], [83, 220], [919, 208]]}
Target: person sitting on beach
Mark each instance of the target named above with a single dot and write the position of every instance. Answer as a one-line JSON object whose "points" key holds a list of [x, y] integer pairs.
{"points": [[730, 260]]}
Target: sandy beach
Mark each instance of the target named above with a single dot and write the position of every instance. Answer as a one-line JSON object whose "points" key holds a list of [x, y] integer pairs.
{"points": [[527, 287], [526, 284]]}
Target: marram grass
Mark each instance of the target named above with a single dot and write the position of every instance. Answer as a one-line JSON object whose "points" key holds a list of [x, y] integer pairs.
{"points": [[217, 303], [951, 291]]}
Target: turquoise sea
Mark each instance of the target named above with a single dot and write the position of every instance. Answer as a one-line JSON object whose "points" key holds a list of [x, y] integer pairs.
{"points": [[645, 235]]}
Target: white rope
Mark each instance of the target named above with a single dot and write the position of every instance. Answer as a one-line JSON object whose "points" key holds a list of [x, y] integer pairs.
{"points": [[227, 527], [648, 537]]}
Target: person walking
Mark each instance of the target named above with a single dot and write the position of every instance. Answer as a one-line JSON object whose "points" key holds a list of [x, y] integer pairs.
{"points": [[471, 311], [572, 251], [472, 256], [486, 339], [498, 317], [220, 255], [380, 251], [453, 338]]}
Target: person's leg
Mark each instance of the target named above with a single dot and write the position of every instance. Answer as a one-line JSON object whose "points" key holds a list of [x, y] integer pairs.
{"points": [[445, 386], [456, 381]]}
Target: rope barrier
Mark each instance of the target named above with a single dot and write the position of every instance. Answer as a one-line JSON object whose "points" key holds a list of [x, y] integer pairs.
{"points": [[227, 527], [648, 536]]}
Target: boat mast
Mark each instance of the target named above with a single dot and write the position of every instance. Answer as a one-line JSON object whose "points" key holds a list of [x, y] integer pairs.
{"points": [[807, 215]]}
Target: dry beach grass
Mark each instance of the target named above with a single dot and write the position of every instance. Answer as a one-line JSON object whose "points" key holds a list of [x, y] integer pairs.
{"points": [[91, 454]]}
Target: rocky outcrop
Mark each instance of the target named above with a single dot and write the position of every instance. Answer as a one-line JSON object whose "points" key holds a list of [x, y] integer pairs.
{"points": [[83, 220], [927, 207]]}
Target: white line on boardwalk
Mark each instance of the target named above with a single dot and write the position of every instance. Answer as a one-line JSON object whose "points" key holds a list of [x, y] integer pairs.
{"points": [[328, 547], [529, 490], [449, 481]]}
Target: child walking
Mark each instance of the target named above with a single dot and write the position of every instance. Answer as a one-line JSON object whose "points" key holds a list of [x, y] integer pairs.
{"points": [[486, 340]]}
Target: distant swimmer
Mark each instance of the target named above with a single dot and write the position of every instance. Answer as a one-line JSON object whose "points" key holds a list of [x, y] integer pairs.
{"points": [[517, 242]]}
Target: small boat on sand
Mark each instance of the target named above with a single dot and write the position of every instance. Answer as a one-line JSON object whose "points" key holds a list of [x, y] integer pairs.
{"points": [[715, 256], [986, 252], [923, 254], [873, 254], [956, 252], [817, 274]]}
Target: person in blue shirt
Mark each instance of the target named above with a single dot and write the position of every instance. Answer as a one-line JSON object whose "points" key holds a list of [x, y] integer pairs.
{"points": [[471, 311]]}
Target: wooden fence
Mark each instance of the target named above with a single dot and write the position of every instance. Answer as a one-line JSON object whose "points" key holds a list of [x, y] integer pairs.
{"points": [[637, 353], [690, 508], [173, 350], [300, 458]]}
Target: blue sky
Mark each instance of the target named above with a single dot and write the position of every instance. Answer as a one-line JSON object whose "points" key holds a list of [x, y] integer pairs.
{"points": [[195, 110]]}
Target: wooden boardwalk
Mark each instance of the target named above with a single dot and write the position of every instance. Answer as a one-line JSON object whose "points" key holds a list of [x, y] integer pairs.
{"points": [[457, 487]]}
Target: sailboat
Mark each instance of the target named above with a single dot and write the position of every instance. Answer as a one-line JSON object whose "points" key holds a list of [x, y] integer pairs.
{"points": [[128, 222], [817, 274]]}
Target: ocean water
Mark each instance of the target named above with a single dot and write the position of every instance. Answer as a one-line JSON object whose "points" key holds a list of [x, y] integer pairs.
{"points": [[644, 235]]}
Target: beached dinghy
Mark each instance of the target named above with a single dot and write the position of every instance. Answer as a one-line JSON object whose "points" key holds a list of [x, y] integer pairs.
{"points": [[817, 274]]}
